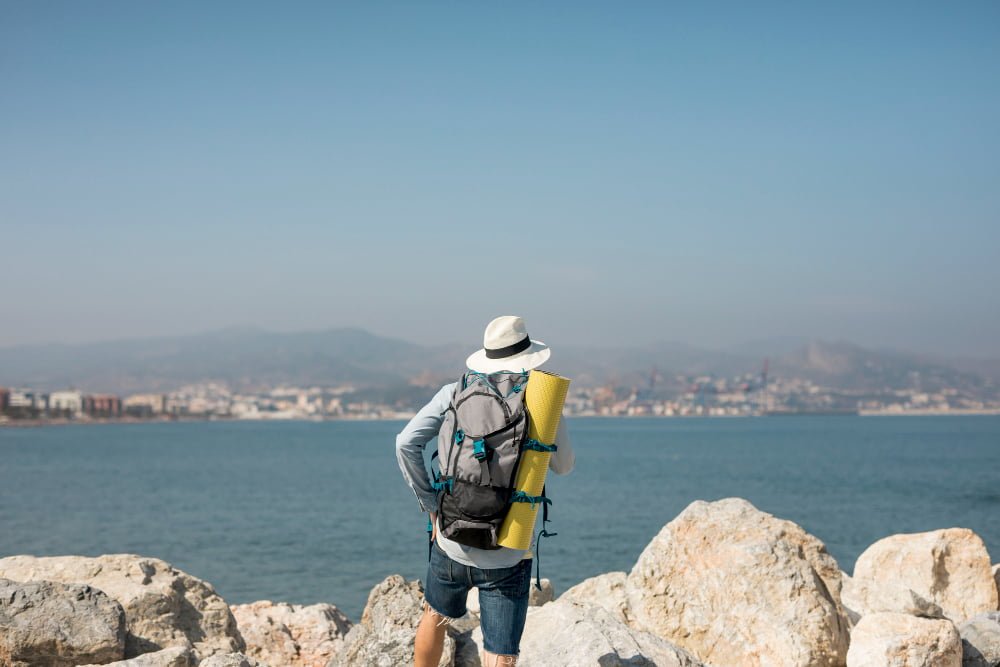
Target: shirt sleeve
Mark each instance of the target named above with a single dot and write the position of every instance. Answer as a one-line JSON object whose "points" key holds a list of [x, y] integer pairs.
{"points": [[412, 440], [563, 459]]}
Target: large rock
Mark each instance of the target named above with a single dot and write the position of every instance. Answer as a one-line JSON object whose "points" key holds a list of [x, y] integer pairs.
{"points": [[175, 656], [888, 639], [291, 635], [606, 591], [232, 660], [848, 599], [981, 640], [51, 624], [163, 606], [384, 637], [539, 596], [856, 597], [737, 586], [996, 580], [568, 634], [947, 568]]}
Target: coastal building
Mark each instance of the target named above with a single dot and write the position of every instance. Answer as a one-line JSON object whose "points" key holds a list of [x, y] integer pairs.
{"points": [[65, 403], [206, 398], [27, 403], [21, 398], [102, 405], [244, 409], [144, 405], [29, 399]]}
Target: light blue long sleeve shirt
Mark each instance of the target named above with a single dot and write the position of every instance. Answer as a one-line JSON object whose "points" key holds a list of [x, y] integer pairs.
{"points": [[410, 444]]}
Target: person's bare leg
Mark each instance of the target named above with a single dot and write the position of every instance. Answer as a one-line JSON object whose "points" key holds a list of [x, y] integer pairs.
{"points": [[494, 660], [429, 643]]}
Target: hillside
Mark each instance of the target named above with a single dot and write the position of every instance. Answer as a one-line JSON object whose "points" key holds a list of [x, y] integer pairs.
{"points": [[253, 358]]}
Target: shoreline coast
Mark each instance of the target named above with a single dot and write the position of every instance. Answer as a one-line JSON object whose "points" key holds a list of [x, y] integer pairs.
{"points": [[934, 596], [39, 423]]}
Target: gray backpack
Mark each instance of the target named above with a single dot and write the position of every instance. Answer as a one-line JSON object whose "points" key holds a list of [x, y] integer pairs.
{"points": [[484, 431]]}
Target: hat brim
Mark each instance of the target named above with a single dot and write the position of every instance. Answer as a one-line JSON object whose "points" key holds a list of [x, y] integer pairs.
{"points": [[533, 357]]}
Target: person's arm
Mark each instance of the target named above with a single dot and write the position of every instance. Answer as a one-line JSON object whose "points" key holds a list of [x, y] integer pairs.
{"points": [[563, 458], [410, 445]]}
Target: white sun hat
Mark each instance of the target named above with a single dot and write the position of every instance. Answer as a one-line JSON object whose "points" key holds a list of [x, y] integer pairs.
{"points": [[507, 347]]}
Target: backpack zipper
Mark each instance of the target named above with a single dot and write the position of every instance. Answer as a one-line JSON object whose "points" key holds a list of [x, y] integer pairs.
{"points": [[499, 430]]}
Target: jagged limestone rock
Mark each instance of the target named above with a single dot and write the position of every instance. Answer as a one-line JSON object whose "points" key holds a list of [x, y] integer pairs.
{"points": [[890, 639], [163, 606], [52, 624], [856, 596], [566, 634], [232, 660], [291, 635], [947, 568], [981, 640], [175, 656], [996, 580], [606, 591], [737, 586], [384, 637]]}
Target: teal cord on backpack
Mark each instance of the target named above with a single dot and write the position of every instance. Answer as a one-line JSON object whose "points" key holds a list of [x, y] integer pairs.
{"points": [[538, 540]]}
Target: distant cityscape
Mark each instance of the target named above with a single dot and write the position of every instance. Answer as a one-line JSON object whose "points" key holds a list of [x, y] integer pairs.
{"points": [[677, 396]]}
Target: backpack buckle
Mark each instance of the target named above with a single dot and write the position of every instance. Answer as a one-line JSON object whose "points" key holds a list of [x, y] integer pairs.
{"points": [[479, 450]]}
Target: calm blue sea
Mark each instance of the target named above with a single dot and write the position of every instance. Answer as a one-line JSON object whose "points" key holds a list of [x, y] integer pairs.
{"points": [[309, 512]]}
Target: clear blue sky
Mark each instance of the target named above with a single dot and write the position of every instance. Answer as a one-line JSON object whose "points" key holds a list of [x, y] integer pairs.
{"points": [[617, 173]]}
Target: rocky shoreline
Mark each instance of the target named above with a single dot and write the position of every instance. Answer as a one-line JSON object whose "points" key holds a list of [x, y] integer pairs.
{"points": [[723, 584]]}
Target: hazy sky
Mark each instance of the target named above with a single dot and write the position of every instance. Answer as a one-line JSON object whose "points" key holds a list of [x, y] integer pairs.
{"points": [[616, 172]]}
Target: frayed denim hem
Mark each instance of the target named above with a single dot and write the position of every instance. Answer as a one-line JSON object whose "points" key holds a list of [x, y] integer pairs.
{"points": [[441, 618]]}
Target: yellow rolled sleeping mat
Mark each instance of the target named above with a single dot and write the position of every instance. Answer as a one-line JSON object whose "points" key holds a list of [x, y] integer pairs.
{"points": [[544, 395]]}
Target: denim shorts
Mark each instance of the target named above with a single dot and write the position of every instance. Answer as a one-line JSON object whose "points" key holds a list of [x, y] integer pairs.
{"points": [[503, 597]]}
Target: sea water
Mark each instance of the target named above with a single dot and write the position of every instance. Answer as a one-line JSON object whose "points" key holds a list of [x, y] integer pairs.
{"points": [[309, 512]]}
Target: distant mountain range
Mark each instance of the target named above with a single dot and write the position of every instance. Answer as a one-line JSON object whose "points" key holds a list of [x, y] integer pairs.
{"points": [[253, 358], [244, 358]]}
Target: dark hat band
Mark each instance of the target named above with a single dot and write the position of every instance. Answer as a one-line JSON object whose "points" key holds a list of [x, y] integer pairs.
{"points": [[509, 351]]}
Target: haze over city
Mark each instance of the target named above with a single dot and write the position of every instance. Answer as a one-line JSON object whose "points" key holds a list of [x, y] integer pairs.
{"points": [[708, 174]]}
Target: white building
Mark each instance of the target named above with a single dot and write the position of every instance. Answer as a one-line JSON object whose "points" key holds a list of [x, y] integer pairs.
{"points": [[151, 403], [66, 401], [28, 399], [21, 398]]}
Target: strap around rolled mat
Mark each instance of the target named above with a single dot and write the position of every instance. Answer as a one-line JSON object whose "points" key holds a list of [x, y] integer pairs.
{"points": [[537, 446], [522, 497]]}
